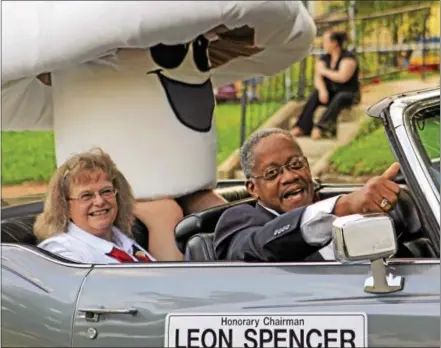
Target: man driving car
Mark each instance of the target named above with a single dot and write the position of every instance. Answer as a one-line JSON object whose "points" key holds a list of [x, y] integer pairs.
{"points": [[289, 223]]}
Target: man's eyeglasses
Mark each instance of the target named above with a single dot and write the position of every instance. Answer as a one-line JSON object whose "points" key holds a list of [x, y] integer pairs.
{"points": [[272, 173], [106, 193]]}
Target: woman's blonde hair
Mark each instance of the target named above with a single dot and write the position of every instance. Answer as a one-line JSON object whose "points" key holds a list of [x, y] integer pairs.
{"points": [[55, 216]]}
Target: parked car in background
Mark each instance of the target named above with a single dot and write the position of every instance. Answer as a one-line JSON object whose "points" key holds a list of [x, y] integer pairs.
{"points": [[388, 297], [226, 93]]}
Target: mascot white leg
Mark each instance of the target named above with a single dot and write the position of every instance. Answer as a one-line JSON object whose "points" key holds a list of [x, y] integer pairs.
{"points": [[140, 86]]}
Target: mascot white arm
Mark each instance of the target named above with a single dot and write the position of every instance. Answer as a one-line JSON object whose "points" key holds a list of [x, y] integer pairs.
{"points": [[137, 78]]}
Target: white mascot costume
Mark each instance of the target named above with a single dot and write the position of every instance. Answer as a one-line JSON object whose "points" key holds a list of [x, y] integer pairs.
{"points": [[136, 78]]}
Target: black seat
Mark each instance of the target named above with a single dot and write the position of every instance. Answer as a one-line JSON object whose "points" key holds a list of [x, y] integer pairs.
{"points": [[27, 209], [406, 216], [140, 234], [200, 248], [205, 221], [18, 222], [19, 230], [202, 222], [421, 248], [233, 193]]}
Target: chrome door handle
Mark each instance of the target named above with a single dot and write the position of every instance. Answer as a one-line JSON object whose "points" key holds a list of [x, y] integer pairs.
{"points": [[93, 314]]}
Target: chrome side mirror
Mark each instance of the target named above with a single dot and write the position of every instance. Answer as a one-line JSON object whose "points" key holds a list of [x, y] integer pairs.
{"points": [[368, 237]]}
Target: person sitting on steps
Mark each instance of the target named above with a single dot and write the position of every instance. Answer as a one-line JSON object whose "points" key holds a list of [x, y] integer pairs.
{"points": [[336, 86]]}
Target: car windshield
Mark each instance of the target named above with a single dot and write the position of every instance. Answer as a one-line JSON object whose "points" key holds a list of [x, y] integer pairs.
{"points": [[427, 130]]}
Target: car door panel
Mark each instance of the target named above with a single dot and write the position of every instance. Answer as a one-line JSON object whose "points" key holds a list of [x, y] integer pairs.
{"points": [[38, 299], [402, 318]]}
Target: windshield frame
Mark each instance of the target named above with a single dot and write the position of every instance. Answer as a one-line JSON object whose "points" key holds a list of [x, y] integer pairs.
{"points": [[415, 139], [398, 129]]}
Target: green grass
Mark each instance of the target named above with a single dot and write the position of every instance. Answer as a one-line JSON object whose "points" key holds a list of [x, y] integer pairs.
{"points": [[370, 154], [30, 156], [27, 156], [228, 129]]}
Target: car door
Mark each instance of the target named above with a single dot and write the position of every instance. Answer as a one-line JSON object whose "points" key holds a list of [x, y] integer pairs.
{"points": [[38, 297], [135, 299]]}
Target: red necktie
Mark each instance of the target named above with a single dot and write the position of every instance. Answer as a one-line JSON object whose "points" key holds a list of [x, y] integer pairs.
{"points": [[120, 255], [124, 257]]}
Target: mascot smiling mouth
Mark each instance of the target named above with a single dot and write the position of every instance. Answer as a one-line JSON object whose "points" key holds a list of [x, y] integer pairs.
{"points": [[192, 103]]}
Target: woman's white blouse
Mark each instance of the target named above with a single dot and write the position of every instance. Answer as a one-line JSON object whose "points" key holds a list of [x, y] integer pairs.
{"points": [[81, 246]]}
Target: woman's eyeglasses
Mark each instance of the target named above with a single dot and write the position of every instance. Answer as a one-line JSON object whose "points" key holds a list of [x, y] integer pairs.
{"points": [[106, 193]]}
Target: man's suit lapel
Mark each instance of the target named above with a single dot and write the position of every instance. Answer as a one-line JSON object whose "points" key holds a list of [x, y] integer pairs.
{"points": [[265, 212]]}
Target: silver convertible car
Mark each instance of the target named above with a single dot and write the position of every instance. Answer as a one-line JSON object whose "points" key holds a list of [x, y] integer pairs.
{"points": [[383, 290]]}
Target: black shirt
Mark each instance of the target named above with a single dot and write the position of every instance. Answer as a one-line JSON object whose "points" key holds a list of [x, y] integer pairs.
{"points": [[352, 85]]}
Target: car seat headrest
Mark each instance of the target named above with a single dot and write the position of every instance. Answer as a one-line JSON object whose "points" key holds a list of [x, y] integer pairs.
{"points": [[202, 222]]}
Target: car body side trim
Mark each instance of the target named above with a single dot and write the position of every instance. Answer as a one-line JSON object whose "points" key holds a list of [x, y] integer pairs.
{"points": [[216, 264], [28, 279]]}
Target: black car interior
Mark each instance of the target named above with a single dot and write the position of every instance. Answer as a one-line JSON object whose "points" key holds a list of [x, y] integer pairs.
{"points": [[194, 234]]}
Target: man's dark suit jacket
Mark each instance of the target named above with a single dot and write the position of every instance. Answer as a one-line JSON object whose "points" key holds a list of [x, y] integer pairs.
{"points": [[248, 233]]}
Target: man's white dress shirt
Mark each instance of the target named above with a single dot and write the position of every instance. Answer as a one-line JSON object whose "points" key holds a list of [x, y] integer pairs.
{"points": [[316, 225], [81, 246]]}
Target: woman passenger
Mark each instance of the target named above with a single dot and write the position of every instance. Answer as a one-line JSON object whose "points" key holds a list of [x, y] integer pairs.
{"points": [[88, 213]]}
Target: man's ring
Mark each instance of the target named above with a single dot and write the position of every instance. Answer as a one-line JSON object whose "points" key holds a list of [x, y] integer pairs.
{"points": [[384, 203]]}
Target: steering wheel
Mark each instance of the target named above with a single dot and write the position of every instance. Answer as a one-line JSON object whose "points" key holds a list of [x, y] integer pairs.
{"points": [[405, 217]]}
